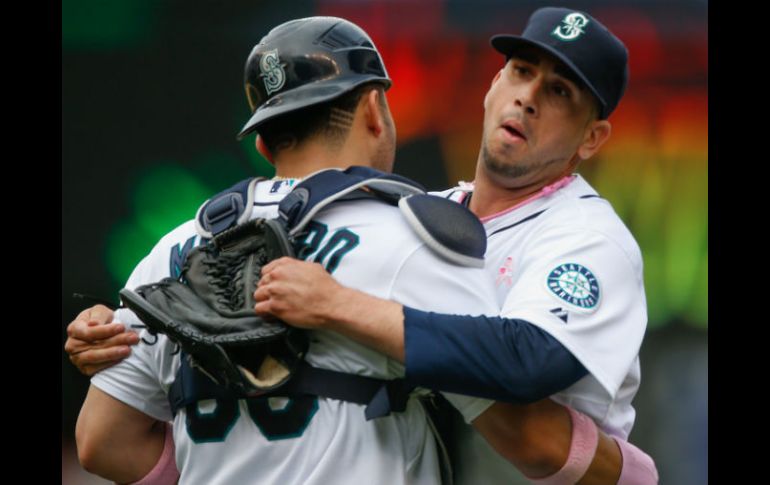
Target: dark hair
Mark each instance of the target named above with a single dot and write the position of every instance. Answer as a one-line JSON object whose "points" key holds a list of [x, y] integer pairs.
{"points": [[332, 120]]}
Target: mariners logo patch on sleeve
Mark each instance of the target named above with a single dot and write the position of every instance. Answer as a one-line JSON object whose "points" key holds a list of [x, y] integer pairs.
{"points": [[575, 284]]}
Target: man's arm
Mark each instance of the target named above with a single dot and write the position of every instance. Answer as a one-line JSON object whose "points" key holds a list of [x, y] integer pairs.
{"points": [[96, 343], [115, 441], [481, 356], [490, 357], [536, 438]]}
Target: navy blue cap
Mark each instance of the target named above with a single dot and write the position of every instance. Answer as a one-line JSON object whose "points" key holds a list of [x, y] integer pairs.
{"points": [[586, 46]]}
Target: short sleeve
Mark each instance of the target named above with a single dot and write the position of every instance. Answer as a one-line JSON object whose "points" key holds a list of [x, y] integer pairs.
{"points": [[586, 290], [136, 380]]}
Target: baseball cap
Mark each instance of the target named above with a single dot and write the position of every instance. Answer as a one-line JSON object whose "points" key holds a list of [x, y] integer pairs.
{"points": [[587, 47]]}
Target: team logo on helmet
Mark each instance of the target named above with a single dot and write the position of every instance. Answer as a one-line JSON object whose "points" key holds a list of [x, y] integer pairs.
{"points": [[572, 27], [272, 71], [574, 284]]}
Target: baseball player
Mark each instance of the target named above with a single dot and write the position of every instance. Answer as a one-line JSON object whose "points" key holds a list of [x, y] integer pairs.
{"points": [[317, 88], [567, 272], [309, 117]]}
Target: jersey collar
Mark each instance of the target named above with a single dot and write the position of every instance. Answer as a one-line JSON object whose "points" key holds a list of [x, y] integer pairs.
{"points": [[572, 186]]}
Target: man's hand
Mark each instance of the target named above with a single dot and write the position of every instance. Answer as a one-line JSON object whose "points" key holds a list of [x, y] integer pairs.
{"points": [[304, 295], [94, 342], [300, 293]]}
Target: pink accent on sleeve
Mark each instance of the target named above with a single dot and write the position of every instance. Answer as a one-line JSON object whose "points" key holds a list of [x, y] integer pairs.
{"points": [[585, 439], [165, 471], [638, 466]]}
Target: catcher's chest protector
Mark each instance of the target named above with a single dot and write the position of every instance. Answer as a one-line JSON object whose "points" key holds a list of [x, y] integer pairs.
{"points": [[208, 311]]}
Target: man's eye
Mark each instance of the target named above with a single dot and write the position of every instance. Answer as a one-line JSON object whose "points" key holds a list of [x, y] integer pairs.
{"points": [[561, 91], [520, 69]]}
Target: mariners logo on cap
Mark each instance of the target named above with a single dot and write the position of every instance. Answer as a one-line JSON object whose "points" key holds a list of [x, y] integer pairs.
{"points": [[571, 27], [574, 284], [272, 71]]}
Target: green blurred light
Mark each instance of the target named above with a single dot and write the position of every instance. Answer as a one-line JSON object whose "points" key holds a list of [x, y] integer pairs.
{"points": [[219, 171], [684, 235], [664, 204], [99, 24], [697, 314], [165, 197], [647, 211], [658, 312], [127, 244]]}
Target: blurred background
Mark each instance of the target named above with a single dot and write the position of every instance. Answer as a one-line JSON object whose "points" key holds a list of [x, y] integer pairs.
{"points": [[152, 97]]}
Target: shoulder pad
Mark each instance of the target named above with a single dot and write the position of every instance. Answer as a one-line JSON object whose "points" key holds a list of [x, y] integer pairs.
{"points": [[331, 185], [447, 228], [228, 208]]}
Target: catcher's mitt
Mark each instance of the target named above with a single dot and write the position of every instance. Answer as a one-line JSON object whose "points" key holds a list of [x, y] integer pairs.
{"points": [[209, 311]]}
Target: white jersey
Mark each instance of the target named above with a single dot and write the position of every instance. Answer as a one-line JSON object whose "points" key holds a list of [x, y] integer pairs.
{"points": [[566, 263], [369, 246]]}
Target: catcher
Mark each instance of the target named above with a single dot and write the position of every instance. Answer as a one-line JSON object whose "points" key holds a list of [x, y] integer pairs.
{"points": [[226, 428]]}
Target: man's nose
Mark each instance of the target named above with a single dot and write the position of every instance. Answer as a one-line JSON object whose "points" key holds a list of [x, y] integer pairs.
{"points": [[528, 94]]}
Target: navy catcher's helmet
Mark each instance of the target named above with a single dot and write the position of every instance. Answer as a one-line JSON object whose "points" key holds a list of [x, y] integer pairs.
{"points": [[306, 62]]}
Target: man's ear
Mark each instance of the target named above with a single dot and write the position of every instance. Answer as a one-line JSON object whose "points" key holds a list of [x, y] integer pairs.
{"points": [[597, 132], [372, 112], [262, 149]]}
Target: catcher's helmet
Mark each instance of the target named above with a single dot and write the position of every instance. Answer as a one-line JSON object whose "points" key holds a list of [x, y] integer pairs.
{"points": [[306, 62]]}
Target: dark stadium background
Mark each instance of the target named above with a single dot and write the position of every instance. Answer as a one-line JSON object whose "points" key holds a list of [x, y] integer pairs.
{"points": [[152, 98]]}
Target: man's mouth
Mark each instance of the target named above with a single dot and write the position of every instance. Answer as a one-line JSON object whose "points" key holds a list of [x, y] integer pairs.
{"points": [[513, 129]]}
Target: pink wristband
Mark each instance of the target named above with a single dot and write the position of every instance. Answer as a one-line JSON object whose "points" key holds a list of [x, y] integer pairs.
{"points": [[585, 439], [638, 466], [164, 472]]}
